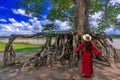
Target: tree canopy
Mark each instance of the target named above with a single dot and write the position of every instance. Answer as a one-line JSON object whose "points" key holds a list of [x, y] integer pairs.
{"points": [[65, 10]]}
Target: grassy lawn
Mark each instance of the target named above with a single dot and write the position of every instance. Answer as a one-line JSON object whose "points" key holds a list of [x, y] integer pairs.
{"points": [[22, 47]]}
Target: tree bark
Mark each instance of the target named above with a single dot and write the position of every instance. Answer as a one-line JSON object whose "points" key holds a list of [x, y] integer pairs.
{"points": [[81, 19]]}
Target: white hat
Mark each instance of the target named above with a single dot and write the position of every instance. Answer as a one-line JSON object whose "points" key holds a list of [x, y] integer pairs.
{"points": [[87, 37]]}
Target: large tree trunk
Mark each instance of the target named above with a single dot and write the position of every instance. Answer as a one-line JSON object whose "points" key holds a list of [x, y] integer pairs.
{"points": [[81, 19], [66, 42]]}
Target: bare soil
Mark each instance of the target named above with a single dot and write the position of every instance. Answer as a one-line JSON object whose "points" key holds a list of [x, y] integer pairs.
{"points": [[58, 72]]}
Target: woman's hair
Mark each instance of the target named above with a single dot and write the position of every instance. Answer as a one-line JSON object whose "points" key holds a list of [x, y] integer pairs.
{"points": [[88, 43], [87, 46]]}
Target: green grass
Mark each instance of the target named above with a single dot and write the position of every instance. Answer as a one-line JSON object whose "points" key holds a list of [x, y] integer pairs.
{"points": [[22, 47], [115, 36]]}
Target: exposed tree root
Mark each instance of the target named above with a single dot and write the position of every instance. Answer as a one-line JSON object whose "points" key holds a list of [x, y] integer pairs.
{"points": [[61, 50]]}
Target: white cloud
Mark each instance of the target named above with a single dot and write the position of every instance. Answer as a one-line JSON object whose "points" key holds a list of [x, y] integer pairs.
{"points": [[26, 24], [36, 24], [114, 1], [3, 20], [21, 12], [22, 27], [12, 20], [62, 25], [17, 24], [118, 17], [97, 15], [30, 20], [42, 22], [94, 19], [32, 26], [73, 5], [112, 31], [7, 27], [4, 33], [93, 24], [45, 22]]}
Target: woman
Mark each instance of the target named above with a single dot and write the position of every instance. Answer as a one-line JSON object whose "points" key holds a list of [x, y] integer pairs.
{"points": [[87, 66]]}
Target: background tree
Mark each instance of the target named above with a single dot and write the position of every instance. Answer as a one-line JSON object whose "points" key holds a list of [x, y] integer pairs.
{"points": [[77, 12]]}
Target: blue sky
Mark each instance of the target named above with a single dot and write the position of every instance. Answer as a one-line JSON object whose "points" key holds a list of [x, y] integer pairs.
{"points": [[13, 20], [6, 10]]}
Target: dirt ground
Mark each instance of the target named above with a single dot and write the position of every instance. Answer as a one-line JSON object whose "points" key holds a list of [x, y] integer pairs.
{"points": [[58, 72]]}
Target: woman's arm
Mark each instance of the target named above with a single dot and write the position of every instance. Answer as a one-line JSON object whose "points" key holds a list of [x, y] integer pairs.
{"points": [[96, 50], [79, 47]]}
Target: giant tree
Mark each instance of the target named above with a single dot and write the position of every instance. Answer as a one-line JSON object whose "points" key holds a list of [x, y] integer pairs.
{"points": [[77, 12]]}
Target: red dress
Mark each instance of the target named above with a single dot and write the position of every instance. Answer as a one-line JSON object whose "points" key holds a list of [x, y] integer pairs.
{"points": [[87, 66]]}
